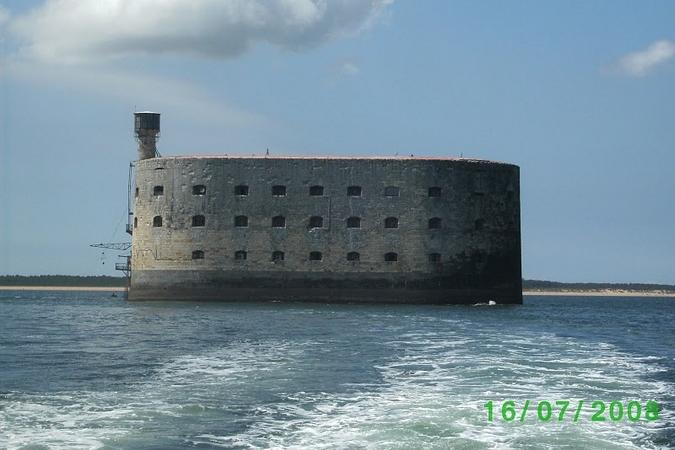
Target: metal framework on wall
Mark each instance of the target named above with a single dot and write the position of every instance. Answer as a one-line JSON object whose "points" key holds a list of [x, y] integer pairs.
{"points": [[124, 267]]}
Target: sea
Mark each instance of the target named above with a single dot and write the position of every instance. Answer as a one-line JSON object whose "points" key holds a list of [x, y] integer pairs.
{"points": [[83, 370]]}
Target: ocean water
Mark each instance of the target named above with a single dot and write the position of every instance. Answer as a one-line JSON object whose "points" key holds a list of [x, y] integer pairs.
{"points": [[83, 370]]}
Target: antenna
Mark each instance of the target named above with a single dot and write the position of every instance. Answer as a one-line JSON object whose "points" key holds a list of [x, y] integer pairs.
{"points": [[146, 130]]}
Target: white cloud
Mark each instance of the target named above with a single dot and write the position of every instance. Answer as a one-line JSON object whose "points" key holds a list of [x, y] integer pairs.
{"points": [[4, 15], [179, 98], [82, 44], [83, 31], [640, 63], [349, 69]]}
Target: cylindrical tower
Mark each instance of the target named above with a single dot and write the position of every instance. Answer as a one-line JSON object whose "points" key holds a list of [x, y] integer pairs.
{"points": [[146, 130]]}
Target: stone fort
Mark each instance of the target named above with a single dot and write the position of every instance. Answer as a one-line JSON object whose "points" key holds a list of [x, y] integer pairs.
{"points": [[328, 229]]}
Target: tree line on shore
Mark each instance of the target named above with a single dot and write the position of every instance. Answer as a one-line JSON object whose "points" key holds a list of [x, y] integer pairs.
{"points": [[62, 280], [542, 285], [108, 281]]}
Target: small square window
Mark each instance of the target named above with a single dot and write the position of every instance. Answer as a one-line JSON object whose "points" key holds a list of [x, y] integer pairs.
{"points": [[353, 256], [241, 190], [392, 191], [391, 222], [198, 254], [240, 221], [277, 256], [278, 222], [240, 255], [279, 191], [353, 222], [434, 191], [354, 191], [315, 256], [158, 190], [316, 190], [198, 221], [316, 222], [391, 257], [199, 189]]}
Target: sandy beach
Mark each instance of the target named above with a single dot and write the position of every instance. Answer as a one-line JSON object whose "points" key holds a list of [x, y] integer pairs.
{"points": [[602, 293]]}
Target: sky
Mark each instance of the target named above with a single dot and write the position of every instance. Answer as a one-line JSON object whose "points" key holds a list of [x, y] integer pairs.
{"points": [[579, 94]]}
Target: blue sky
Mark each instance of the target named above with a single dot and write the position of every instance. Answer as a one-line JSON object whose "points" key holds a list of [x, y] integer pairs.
{"points": [[580, 94]]}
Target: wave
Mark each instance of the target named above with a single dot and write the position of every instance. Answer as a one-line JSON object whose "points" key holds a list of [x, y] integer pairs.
{"points": [[428, 391]]}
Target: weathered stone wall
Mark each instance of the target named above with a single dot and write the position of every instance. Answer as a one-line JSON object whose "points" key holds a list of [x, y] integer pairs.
{"points": [[478, 239]]}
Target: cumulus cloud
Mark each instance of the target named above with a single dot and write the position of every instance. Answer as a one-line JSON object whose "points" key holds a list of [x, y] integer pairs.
{"points": [[81, 30], [641, 63]]}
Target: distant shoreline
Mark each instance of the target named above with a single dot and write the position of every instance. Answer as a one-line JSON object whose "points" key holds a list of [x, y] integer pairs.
{"points": [[63, 288], [602, 293], [529, 293]]}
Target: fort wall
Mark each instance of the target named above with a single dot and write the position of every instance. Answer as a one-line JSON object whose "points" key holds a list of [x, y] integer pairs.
{"points": [[257, 228]]}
